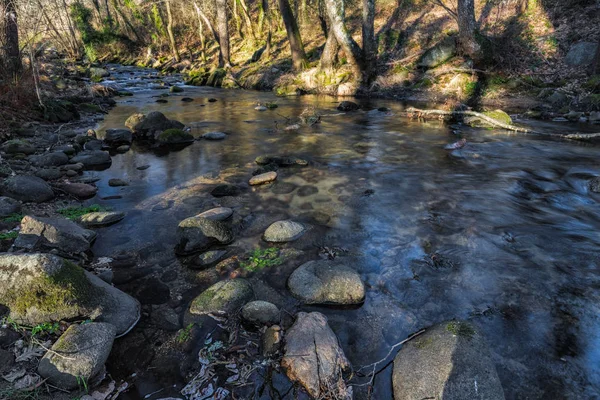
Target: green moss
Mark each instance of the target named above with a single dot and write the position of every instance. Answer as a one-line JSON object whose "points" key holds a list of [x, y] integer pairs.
{"points": [[184, 334], [90, 108], [13, 218], [470, 88], [175, 89], [423, 343], [260, 259], [271, 106], [458, 328], [74, 213], [9, 235], [67, 288], [500, 116], [174, 136]]}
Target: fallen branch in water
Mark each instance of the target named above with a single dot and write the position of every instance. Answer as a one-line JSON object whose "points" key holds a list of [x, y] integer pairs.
{"points": [[419, 113]]}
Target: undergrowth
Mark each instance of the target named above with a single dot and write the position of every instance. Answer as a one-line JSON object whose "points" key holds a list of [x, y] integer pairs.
{"points": [[260, 259], [77, 212]]}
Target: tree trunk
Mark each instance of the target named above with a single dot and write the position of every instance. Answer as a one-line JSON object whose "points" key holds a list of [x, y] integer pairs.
{"points": [[201, 32], [223, 29], [368, 39], [170, 31], [109, 18], [466, 29], [247, 19], [127, 22], [299, 59], [12, 55], [336, 14], [330, 51]]}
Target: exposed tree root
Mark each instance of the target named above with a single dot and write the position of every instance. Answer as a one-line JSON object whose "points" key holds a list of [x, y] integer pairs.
{"points": [[419, 113]]}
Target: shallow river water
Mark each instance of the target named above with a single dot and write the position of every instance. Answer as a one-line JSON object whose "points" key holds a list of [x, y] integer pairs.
{"points": [[504, 232]]}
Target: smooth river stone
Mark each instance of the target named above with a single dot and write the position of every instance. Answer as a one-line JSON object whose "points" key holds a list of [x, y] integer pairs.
{"points": [[263, 178], [214, 136], [284, 231], [101, 218]]}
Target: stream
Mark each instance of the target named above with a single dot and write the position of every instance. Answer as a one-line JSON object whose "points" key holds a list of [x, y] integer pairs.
{"points": [[504, 232]]}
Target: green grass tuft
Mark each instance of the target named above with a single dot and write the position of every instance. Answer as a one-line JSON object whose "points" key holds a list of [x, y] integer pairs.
{"points": [[260, 259], [77, 212], [9, 235]]}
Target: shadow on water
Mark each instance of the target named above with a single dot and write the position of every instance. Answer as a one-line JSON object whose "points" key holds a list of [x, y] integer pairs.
{"points": [[504, 232]]}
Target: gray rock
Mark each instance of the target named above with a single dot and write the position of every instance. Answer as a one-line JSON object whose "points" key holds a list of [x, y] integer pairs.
{"points": [[117, 182], [284, 231], [260, 313], [322, 360], [101, 218], [581, 54], [8, 337], [79, 354], [50, 159], [225, 297], [214, 136], [123, 149], [557, 98], [449, 361], [201, 231], [595, 117], [438, 54], [38, 233], [326, 282], [63, 291], [150, 125], [271, 341], [79, 190], [263, 178], [49, 174], [96, 73], [116, 137], [27, 189], [348, 106], [94, 158], [9, 206], [7, 360], [595, 185], [208, 259], [93, 145], [16, 146]]}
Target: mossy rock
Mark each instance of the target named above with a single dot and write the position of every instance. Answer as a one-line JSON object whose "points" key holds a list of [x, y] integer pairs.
{"points": [[175, 89], [40, 288], [90, 108], [216, 77], [225, 297], [174, 136], [500, 116], [16, 146]]}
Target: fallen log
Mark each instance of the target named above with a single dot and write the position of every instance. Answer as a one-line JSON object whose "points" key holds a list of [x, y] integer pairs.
{"points": [[412, 111]]}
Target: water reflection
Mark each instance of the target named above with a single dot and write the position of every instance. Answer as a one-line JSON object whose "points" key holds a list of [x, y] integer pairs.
{"points": [[503, 231]]}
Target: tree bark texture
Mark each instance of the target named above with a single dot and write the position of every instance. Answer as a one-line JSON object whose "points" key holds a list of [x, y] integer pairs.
{"points": [[291, 26], [12, 54], [223, 30], [466, 29], [369, 43], [336, 14]]}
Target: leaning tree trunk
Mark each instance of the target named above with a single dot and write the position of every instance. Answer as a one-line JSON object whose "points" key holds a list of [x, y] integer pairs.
{"points": [[12, 55], [223, 30], [368, 39], [299, 59], [466, 29], [330, 51], [336, 14], [170, 31]]}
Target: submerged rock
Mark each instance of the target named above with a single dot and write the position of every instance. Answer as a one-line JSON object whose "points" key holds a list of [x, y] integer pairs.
{"points": [[225, 297], [214, 136], [150, 125], [38, 233], [260, 313], [449, 361], [280, 161], [9, 206], [208, 259], [348, 106], [101, 218], [27, 189], [78, 355], [40, 288], [263, 178], [174, 136], [226, 190], [313, 356], [201, 231], [326, 282], [115, 182], [284, 231]]}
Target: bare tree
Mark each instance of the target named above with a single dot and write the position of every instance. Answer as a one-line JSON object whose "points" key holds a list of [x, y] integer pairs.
{"points": [[336, 13], [12, 54], [467, 29], [223, 30], [299, 59], [368, 38], [172, 42]]}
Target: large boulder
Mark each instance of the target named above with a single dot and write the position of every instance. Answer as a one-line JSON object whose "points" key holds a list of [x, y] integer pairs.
{"points": [[16, 146], [174, 136], [79, 190], [92, 159], [26, 188], [326, 282], [450, 361], [150, 125], [39, 288], [39, 233], [260, 312], [9, 206], [438, 54], [581, 54], [284, 231], [117, 137], [203, 230], [78, 355], [313, 356], [225, 297]]}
